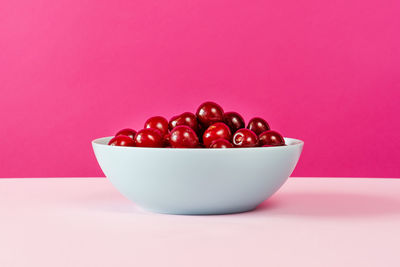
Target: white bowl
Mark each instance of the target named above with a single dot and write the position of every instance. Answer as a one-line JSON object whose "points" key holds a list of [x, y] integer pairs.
{"points": [[197, 181]]}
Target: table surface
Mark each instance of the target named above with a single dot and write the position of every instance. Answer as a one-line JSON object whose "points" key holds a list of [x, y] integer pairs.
{"points": [[309, 222]]}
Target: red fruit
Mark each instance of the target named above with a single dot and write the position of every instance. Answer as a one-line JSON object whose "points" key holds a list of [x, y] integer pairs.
{"points": [[234, 121], [258, 125], [245, 138], [186, 118], [149, 138], [121, 140], [200, 132], [128, 132], [157, 122], [221, 143], [216, 131], [271, 138], [209, 113], [183, 137], [166, 140]]}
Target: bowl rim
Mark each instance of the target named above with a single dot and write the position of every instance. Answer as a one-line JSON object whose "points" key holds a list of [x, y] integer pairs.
{"points": [[102, 141]]}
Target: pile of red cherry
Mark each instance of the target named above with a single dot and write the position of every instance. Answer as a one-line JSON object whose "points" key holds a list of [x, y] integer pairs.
{"points": [[211, 127]]}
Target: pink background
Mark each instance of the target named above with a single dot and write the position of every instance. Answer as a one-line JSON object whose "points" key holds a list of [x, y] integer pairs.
{"points": [[327, 72]]}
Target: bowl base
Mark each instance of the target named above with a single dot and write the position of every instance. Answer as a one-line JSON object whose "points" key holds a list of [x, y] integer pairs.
{"points": [[202, 212]]}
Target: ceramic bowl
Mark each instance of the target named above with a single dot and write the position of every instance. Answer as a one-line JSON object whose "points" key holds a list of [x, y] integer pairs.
{"points": [[197, 181]]}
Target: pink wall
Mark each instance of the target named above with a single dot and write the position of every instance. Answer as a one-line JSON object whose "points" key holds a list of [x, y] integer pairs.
{"points": [[327, 72]]}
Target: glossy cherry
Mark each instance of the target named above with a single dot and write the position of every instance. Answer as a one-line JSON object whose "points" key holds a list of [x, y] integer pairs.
{"points": [[200, 132], [221, 143], [258, 125], [271, 138], [183, 137], [186, 118], [216, 131], [157, 122], [166, 140], [149, 138], [121, 140], [245, 138], [128, 132], [234, 120], [209, 113]]}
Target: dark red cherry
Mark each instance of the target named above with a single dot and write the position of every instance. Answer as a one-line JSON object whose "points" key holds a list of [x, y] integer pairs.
{"points": [[245, 138], [216, 131], [186, 118], [128, 132], [157, 122], [121, 140], [183, 137], [234, 121], [209, 113], [149, 138], [200, 132], [258, 125], [166, 140], [221, 143], [271, 138]]}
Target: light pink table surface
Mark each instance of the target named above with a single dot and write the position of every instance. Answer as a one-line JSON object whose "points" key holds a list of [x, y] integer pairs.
{"points": [[309, 222]]}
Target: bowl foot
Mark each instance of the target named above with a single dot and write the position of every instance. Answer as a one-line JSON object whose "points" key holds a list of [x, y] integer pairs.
{"points": [[200, 211]]}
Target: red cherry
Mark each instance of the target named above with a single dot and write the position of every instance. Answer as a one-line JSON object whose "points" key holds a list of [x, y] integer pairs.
{"points": [[186, 118], [128, 132], [221, 143], [183, 137], [245, 138], [200, 132], [166, 140], [234, 121], [209, 113], [216, 131], [258, 125], [149, 138], [157, 122], [271, 138], [121, 140]]}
